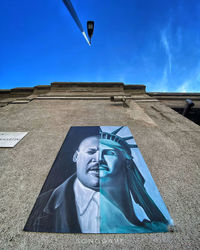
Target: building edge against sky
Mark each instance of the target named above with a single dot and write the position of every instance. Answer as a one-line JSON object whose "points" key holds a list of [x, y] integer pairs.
{"points": [[68, 90]]}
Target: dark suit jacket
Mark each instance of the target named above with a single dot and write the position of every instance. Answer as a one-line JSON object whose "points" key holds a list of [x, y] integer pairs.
{"points": [[55, 211]]}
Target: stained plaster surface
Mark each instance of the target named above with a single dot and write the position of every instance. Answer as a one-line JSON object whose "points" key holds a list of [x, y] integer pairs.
{"points": [[170, 146]]}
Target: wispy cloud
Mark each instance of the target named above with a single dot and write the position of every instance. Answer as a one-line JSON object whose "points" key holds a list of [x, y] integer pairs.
{"points": [[192, 83], [165, 43], [184, 87], [189, 86], [162, 84]]}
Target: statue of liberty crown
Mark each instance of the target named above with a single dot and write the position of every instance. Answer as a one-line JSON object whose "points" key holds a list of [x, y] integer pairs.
{"points": [[121, 140]]}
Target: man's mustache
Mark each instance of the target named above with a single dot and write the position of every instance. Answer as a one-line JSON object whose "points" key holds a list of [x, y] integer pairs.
{"points": [[97, 166]]}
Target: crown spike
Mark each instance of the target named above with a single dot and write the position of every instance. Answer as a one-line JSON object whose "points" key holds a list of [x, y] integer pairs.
{"points": [[117, 130], [132, 146], [127, 138]]}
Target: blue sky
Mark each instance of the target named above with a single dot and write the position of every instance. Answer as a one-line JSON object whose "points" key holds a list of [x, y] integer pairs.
{"points": [[151, 42]]}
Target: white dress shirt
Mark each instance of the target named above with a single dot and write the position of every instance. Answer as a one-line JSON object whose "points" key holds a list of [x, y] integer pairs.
{"points": [[87, 206], [88, 210]]}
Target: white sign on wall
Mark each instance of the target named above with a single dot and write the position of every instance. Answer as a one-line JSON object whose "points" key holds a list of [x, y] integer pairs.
{"points": [[10, 139]]}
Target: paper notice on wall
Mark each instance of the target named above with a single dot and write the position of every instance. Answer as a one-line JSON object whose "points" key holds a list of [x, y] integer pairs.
{"points": [[10, 139]]}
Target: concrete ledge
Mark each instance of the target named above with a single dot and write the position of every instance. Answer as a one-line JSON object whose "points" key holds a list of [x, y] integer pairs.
{"points": [[135, 87], [85, 87], [4, 93], [22, 90], [86, 84], [20, 102], [93, 89], [173, 98], [41, 89], [170, 94], [75, 88]]}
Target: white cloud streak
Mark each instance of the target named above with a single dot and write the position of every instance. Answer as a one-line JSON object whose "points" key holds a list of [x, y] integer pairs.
{"points": [[184, 87], [165, 43], [192, 83], [162, 84], [165, 38], [189, 86]]}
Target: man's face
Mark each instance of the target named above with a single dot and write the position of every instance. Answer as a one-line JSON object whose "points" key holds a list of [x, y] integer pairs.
{"points": [[87, 162], [95, 159]]}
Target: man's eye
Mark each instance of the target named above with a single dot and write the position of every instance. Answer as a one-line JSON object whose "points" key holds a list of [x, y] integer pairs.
{"points": [[91, 152]]}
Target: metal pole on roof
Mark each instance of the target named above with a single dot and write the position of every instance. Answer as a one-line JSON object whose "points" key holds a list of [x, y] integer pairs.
{"points": [[72, 11]]}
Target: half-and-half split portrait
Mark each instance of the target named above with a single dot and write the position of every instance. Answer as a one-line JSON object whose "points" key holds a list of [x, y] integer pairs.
{"points": [[99, 183]]}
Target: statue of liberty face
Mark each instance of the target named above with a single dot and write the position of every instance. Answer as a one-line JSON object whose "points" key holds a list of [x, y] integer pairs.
{"points": [[111, 160], [97, 159]]}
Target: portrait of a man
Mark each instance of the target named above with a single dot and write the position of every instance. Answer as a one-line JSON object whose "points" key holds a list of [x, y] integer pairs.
{"points": [[95, 186]]}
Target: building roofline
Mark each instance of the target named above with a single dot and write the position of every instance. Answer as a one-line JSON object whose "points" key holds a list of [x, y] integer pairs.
{"points": [[75, 86], [174, 93]]}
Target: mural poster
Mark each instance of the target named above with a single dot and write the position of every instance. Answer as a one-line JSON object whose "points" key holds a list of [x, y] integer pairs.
{"points": [[99, 183]]}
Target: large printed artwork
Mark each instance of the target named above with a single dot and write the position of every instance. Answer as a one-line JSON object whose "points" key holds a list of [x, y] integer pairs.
{"points": [[99, 183]]}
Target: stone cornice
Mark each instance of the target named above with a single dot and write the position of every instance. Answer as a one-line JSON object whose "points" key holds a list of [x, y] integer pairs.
{"points": [[69, 87]]}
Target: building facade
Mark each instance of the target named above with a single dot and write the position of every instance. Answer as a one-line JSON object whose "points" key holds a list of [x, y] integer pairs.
{"points": [[169, 143]]}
